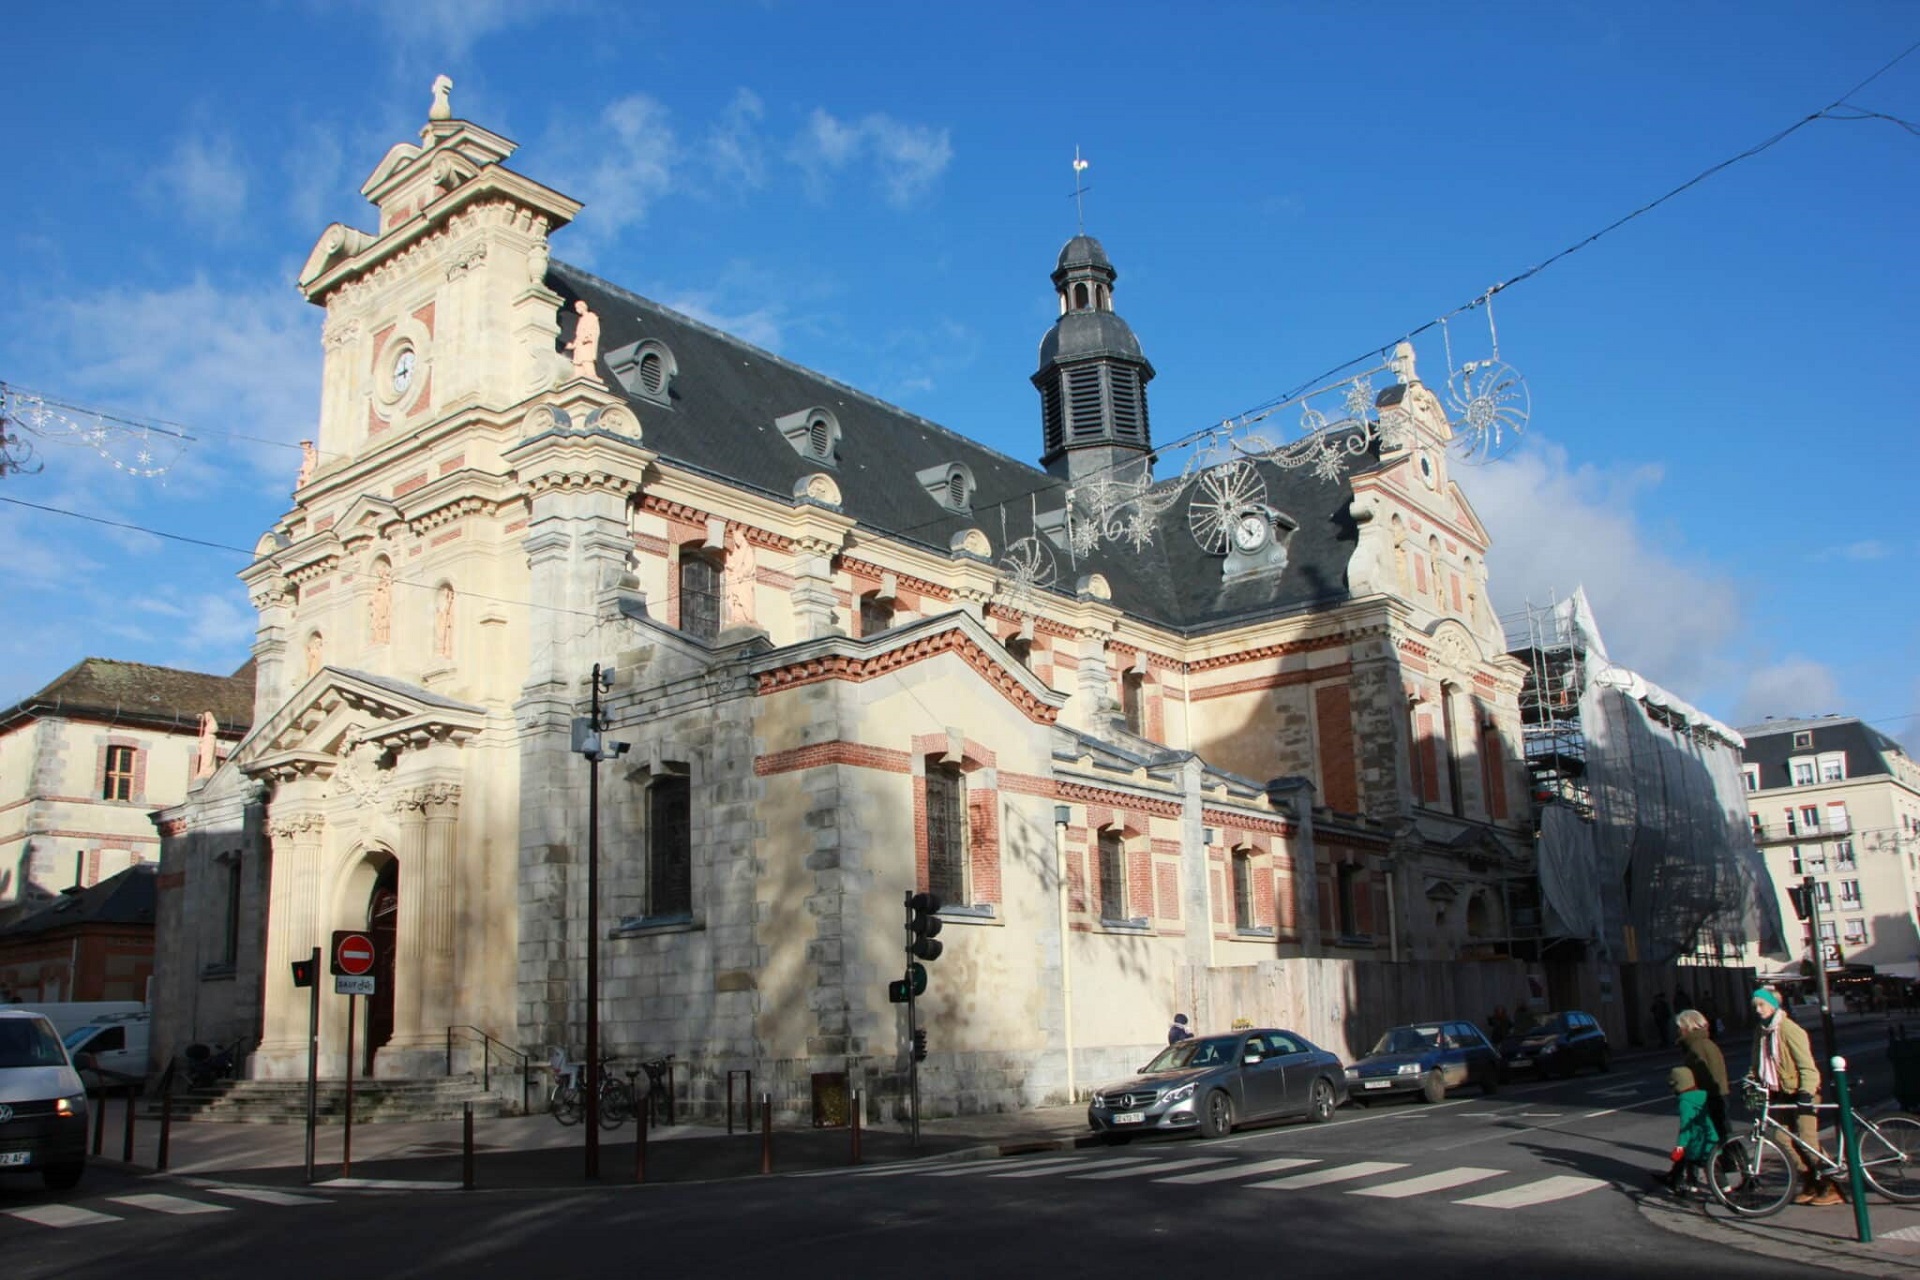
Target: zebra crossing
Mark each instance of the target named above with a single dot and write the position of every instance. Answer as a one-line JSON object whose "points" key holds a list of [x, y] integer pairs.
{"points": [[1375, 1179], [111, 1209]]}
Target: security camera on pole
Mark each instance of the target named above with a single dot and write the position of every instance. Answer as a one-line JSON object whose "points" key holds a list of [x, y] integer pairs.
{"points": [[587, 742], [923, 922]]}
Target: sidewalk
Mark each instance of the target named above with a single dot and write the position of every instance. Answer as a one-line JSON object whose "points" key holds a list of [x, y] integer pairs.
{"points": [[1817, 1237], [536, 1151]]}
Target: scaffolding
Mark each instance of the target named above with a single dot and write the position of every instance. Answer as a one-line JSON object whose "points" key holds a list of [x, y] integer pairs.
{"points": [[1645, 850]]}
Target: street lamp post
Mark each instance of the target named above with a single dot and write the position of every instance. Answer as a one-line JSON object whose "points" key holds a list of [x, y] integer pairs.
{"points": [[587, 741]]}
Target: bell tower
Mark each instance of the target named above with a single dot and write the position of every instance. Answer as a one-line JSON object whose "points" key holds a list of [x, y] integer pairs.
{"points": [[1092, 378]]}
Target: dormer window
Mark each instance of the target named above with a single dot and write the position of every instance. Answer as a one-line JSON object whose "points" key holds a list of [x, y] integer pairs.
{"points": [[645, 369], [950, 485], [814, 434]]}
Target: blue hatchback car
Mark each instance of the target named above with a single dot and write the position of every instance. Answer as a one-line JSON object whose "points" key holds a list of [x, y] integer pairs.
{"points": [[1427, 1058]]}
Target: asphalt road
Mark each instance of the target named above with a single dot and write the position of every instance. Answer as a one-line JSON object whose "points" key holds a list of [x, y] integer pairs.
{"points": [[1540, 1179]]}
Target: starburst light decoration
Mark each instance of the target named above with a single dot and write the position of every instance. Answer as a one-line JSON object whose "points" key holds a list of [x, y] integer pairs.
{"points": [[143, 449]]}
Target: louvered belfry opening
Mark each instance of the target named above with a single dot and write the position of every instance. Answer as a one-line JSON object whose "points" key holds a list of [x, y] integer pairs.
{"points": [[1092, 378]]}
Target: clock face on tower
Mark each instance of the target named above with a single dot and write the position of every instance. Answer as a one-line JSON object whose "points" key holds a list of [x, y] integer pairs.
{"points": [[1250, 532], [402, 371]]}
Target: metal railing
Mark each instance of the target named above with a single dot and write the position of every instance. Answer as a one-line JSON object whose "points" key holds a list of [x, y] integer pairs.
{"points": [[487, 1046]]}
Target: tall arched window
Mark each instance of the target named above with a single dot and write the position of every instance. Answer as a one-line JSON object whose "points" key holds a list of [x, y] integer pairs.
{"points": [[670, 846], [947, 857], [1113, 875]]}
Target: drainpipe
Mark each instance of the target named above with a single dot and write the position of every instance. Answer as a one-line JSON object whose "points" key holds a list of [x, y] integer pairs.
{"points": [[1393, 912], [1062, 815]]}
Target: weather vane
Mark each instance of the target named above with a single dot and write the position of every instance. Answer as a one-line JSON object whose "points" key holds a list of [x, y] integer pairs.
{"points": [[1080, 189]]}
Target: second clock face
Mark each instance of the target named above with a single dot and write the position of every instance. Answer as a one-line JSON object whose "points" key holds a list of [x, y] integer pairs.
{"points": [[402, 371], [1250, 532]]}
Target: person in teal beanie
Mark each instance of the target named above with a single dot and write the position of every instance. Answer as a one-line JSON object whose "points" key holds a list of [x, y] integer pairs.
{"points": [[1693, 1145]]}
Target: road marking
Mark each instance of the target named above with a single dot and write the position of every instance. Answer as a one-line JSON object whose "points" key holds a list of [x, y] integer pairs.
{"points": [[1595, 1115], [61, 1215], [1239, 1170], [265, 1196], [1618, 1091], [1541, 1115], [1904, 1233], [999, 1168], [170, 1204], [1320, 1177], [1141, 1173], [1561, 1186], [1429, 1182], [1031, 1172]]}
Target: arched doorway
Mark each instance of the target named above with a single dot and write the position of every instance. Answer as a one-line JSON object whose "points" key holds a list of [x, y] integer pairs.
{"points": [[383, 915]]}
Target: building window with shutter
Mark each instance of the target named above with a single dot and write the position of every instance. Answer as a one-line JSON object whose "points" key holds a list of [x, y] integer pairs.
{"points": [[670, 846], [1113, 877], [118, 782], [947, 857], [1243, 912], [699, 594]]}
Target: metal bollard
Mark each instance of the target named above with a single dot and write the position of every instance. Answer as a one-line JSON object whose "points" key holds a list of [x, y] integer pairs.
{"points": [[854, 1118], [1850, 1153], [166, 1130], [126, 1152], [766, 1133], [99, 1121], [669, 1093], [642, 1121], [466, 1148]]}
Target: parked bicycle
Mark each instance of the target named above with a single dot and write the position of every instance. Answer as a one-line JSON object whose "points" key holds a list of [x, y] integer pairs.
{"points": [[617, 1101], [659, 1086], [567, 1099], [1754, 1174]]}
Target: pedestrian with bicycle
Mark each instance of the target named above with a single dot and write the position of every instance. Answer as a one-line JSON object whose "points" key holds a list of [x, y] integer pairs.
{"points": [[1708, 1064], [1783, 1063]]}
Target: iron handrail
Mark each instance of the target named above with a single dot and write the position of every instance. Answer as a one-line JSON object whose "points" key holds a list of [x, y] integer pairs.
{"points": [[487, 1045]]}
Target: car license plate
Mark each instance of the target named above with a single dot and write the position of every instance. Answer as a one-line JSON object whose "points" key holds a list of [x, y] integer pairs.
{"points": [[15, 1158], [1133, 1118], [1377, 1084]]}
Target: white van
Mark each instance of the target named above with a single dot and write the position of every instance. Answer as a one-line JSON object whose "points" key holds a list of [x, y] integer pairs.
{"points": [[71, 1015], [119, 1045], [43, 1108]]}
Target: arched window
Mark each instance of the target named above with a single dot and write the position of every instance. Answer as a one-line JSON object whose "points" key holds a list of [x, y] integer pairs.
{"points": [[699, 593], [653, 373], [670, 846], [947, 856], [1113, 876], [1243, 911], [1133, 702], [876, 614], [1080, 296]]}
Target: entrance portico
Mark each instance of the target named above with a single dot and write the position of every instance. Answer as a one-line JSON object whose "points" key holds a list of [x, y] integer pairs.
{"points": [[365, 778]]}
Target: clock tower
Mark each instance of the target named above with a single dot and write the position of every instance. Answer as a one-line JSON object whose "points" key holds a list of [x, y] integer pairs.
{"points": [[446, 305]]}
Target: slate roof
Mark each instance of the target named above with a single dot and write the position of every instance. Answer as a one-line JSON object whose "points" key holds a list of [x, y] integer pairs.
{"points": [[720, 420], [1770, 745], [135, 693], [123, 899]]}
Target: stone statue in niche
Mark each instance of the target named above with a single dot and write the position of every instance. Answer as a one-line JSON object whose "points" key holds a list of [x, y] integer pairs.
{"points": [[206, 756], [380, 607], [586, 341], [443, 622], [442, 108], [316, 653], [309, 459], [741, 566]]}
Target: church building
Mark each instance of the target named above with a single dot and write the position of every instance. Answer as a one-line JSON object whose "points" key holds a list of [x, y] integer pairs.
{"points": [[1257, 762]]}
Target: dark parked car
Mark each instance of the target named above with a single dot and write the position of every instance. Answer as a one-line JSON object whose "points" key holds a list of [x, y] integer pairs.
{"points": [[1428, 1058], [1558, 1044], [1213, 1083]]}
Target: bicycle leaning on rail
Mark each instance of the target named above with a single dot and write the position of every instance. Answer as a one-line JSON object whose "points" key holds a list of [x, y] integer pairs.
{"points": [[1754, 1172]]}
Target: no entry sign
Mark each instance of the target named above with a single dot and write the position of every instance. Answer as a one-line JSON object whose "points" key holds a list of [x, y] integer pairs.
{"points": [[353, 953]]}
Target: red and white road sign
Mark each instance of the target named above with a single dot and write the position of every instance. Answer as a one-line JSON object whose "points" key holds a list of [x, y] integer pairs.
{"points": [[353, 953]]}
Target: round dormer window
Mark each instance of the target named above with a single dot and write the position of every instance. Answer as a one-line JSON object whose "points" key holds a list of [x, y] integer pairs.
{"points": [[1426, 467]]}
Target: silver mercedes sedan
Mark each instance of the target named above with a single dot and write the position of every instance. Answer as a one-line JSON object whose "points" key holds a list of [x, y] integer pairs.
{"points": [[1212, 1083]]}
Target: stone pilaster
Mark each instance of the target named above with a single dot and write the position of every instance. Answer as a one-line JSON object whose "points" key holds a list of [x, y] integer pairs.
{"points": [[442, 808], [292, 933], [411, 964]]}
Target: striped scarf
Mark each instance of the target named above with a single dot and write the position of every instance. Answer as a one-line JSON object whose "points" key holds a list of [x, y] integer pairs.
{"points": [[1768, 1067]]}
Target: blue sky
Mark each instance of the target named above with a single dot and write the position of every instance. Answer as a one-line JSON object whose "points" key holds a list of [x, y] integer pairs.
{"points": [[1722, 429]]}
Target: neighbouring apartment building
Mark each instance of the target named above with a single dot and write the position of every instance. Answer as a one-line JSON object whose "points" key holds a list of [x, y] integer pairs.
{"points": [[1836, 799], [84, 761], [855, 655]]}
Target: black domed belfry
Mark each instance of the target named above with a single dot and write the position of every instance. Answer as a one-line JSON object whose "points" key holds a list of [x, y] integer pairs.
{"points": [[1092, 378]]}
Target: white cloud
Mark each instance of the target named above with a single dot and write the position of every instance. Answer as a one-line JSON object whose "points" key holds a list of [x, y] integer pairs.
{"points": [[317, 181], [735, 151], [1793, 688], [759, 325], [453, 27], [906, 158], [626, 164], [1867, 549], [1556, 526], [206, 181]]}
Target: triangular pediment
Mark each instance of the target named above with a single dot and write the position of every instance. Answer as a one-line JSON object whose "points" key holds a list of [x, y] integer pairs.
{"points": [[397, 158], [338, 712], [365, 517]]}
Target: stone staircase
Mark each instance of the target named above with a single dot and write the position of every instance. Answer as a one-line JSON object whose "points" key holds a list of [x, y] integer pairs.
{"points": [[374, 1101]]}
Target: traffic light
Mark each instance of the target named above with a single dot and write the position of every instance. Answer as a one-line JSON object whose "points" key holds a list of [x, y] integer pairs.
{"points": [[305, 972], [897, 991], [917, 978], [923, 922], [919, 1044]]}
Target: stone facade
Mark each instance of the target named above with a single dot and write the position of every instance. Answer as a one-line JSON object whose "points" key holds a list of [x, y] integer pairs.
{"points": [[832, 666]]}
